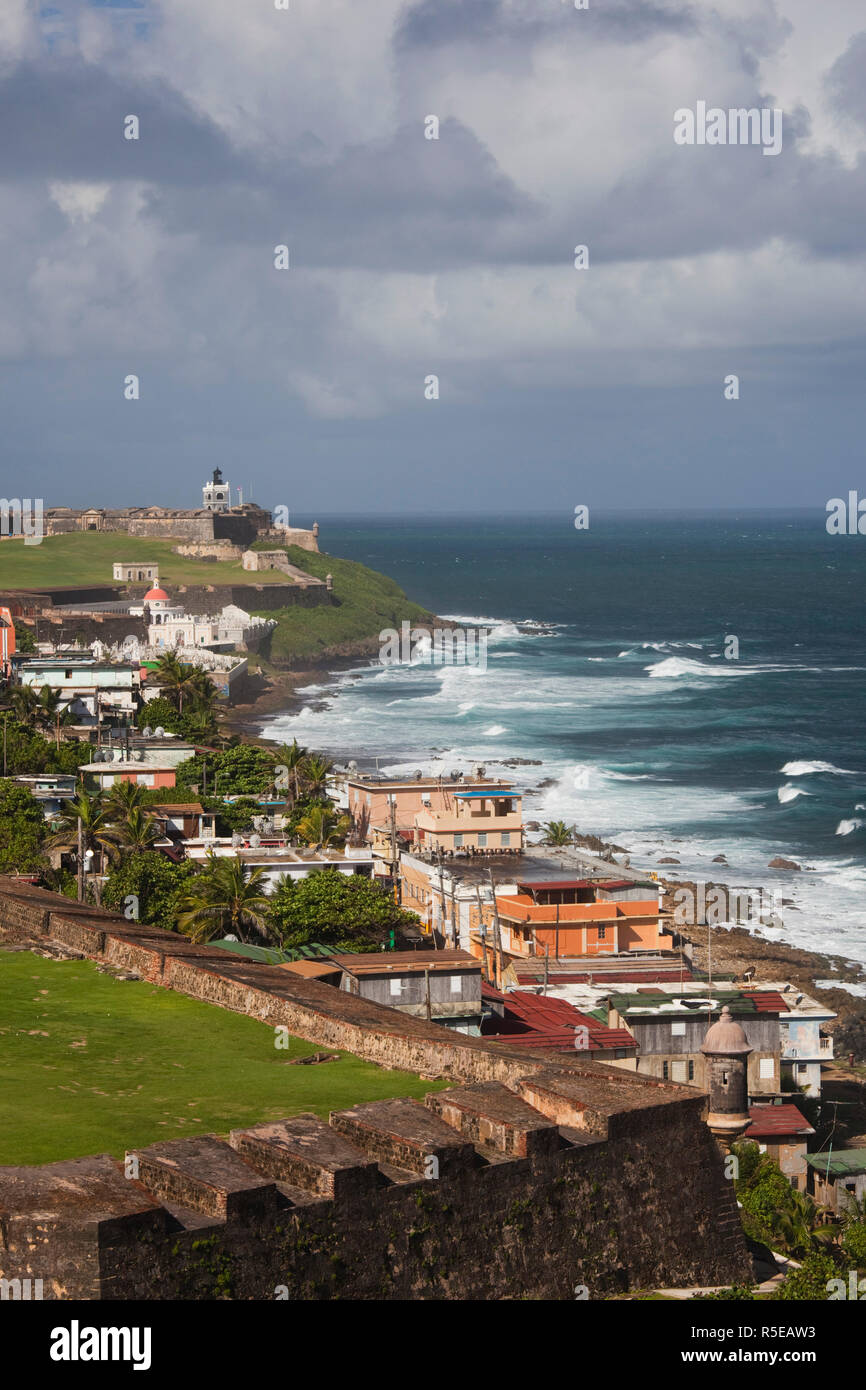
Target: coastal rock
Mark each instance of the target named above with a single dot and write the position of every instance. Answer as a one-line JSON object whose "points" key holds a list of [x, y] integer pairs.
{"points": [[532, 825], [521, 762], [719, 859], [547, 782], [667, 859], [780, 863]]}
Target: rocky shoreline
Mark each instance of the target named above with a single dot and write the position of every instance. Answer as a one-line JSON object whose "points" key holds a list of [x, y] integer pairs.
{"points": [[734, 950]]}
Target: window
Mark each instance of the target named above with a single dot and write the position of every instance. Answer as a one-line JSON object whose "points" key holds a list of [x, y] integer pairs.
{"points": [[767, 1069], [602, 933], [458, 841], [678, 1030], [396, 986], [665, 1071], [802, 1068], [482, 839], [691, 1071], [456, 981], [506, 839]]}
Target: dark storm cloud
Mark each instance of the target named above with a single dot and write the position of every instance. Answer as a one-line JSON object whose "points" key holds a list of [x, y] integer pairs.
{"points": [[64, 120], [846, 80], [432, 23], [409, 203]]}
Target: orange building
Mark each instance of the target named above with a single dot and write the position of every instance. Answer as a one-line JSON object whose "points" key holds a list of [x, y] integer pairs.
{"points": [[569, 919], [7, 639]]}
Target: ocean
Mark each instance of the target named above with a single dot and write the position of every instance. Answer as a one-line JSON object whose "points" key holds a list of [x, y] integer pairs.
{"points": [[688, 686]]}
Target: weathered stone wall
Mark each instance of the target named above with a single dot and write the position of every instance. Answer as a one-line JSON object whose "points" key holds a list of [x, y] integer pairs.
{"points": [[211, 598], [552, 1172]]}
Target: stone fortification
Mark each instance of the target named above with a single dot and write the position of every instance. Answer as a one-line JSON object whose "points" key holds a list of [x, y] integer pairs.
{"points": [[534, 1176]]}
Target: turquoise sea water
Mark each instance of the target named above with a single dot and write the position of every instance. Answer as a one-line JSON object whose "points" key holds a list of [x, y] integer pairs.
{"points": [[645, 731]]}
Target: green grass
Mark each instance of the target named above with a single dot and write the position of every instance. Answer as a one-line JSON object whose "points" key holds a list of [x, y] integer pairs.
{"points": [[367, 602], [91, 1064], [87, 557]]}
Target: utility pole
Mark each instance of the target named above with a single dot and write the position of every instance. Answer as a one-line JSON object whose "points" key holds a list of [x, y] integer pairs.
{"points": [[497, 932], [5, 717], [454, 932], [427, 992], [443, 914], [546, 964], [482, 932], [80, 861], [395, 863]]}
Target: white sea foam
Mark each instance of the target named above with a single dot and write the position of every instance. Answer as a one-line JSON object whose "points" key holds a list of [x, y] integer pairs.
{"points": [[674, 666], [803, 768], [494, 731], [857, 987], [848, 827], [789, 793]]}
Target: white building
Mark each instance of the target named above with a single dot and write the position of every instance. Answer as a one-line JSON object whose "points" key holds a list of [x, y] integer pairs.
{"points": [[171, 628]]}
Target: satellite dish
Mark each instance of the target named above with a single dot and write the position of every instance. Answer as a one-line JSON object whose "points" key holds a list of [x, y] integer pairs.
{"points": [[454, 775], [138, 755], [255, 841], [418, 773], [353, 766], [147, 732], [237, 840], [229, 938], [160, 731]]}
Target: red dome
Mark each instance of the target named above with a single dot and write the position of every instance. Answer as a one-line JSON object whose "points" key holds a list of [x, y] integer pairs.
{"points": [[156, 595]]}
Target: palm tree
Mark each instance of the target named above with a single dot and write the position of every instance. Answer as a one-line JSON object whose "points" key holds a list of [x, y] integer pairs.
{"points": [[803, 1226], [202, 690], [175, 678], [138, 830], [320, 826], [556, 832], [23, 702], [200, 726], [122, 798], [50, 712], [225, 897], [293, 758], [97, 832], [315, 771]]}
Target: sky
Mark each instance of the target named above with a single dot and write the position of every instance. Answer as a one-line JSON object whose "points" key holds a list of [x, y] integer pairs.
{"points": [[411, 258]]}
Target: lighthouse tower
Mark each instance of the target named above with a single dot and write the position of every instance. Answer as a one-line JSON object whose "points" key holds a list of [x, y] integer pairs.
{"points": [[217, 494]]}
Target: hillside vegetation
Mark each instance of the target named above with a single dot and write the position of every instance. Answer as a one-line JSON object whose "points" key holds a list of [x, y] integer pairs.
{"points": [[367, 602]]}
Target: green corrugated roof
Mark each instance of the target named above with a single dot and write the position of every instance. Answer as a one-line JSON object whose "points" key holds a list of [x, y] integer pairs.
{"points": [[273, 955], [844, 1163], [652, 1003]]}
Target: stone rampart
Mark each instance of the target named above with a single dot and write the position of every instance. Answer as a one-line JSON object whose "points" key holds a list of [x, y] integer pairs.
{"points": [[534, 1175]]}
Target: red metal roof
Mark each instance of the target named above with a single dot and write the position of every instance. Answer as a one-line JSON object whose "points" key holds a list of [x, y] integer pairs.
{"points": [[776, 1121], [539, 1021], [767, 1001]]}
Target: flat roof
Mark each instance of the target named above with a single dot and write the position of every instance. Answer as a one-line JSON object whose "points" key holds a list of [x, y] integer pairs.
{"points": [[384, 962], [843, 1163]]}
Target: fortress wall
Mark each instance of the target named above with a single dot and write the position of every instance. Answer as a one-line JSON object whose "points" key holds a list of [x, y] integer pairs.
{"points": [[211, 598], [555, 1172]]}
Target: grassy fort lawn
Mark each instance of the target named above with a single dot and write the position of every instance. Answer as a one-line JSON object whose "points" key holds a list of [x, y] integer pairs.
{"points": [[91, 1064]]}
